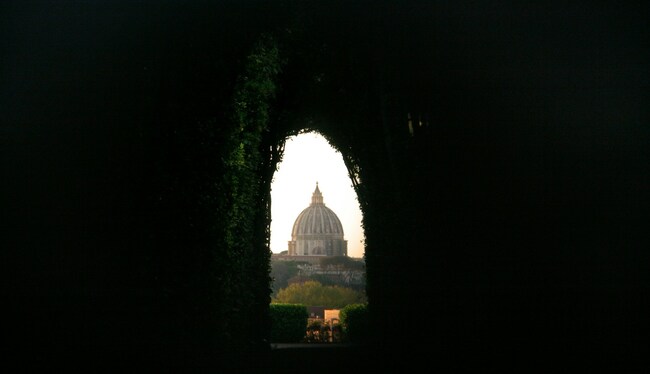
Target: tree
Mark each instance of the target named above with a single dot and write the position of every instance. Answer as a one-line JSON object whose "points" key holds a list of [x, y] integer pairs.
{"points": [[342, 262], [281, 272], [314, 293]]}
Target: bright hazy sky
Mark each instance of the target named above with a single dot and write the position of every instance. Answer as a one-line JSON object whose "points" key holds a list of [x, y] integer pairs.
{"points": [[308, 158]]}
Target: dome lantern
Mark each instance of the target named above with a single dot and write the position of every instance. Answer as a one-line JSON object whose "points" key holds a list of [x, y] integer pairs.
{"points": [[317, 196]]}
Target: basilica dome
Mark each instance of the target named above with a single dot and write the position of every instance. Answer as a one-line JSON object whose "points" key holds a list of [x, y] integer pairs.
{"points": [[317, 219], [317, 231]]}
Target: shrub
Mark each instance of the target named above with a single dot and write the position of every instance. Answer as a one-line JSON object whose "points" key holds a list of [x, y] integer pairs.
{"points": [[354, 320], [315, 330], [288, 322]]}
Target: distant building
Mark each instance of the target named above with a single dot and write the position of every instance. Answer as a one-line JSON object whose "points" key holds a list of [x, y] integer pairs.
{"points": [[332, 314], [316, 233], [316, 312], [322, 312]]}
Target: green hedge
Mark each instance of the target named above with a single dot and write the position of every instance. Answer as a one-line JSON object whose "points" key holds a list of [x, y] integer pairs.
{"points": [[354, 319], [288, 323]]}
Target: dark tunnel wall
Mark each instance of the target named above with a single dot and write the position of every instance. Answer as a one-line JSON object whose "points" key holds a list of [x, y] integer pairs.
{"points": [[114, 235], [511, 222]]}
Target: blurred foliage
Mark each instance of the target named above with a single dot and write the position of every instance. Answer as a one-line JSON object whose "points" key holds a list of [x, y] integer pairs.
{"points": [[285, 272], [314, 293], [341, 262], [281, 272]]}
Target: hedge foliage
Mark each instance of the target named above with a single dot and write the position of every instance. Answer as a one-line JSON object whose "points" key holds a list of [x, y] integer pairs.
{"points": [[246, 202], [355, 322], [288, 323]]}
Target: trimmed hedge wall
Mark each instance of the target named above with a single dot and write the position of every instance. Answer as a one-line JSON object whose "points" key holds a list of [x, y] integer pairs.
{"points": [[288, 323], [356, 326]]}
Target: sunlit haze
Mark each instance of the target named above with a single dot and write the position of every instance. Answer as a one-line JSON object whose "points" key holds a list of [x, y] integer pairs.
{"points": [[308, 158]]}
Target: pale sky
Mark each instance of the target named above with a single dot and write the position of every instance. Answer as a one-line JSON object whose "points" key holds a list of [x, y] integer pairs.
{"points": [[308, 158]]}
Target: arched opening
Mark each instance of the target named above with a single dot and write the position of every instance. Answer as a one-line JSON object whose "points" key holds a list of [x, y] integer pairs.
{"points": [[308, 160], [316, 234]]}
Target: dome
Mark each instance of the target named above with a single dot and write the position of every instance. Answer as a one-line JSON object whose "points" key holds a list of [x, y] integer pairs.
{"points": [[317, 231], [317, 219]]}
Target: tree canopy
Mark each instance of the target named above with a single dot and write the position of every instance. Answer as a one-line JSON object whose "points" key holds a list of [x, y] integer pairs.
{"points": [[313, 293]]}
